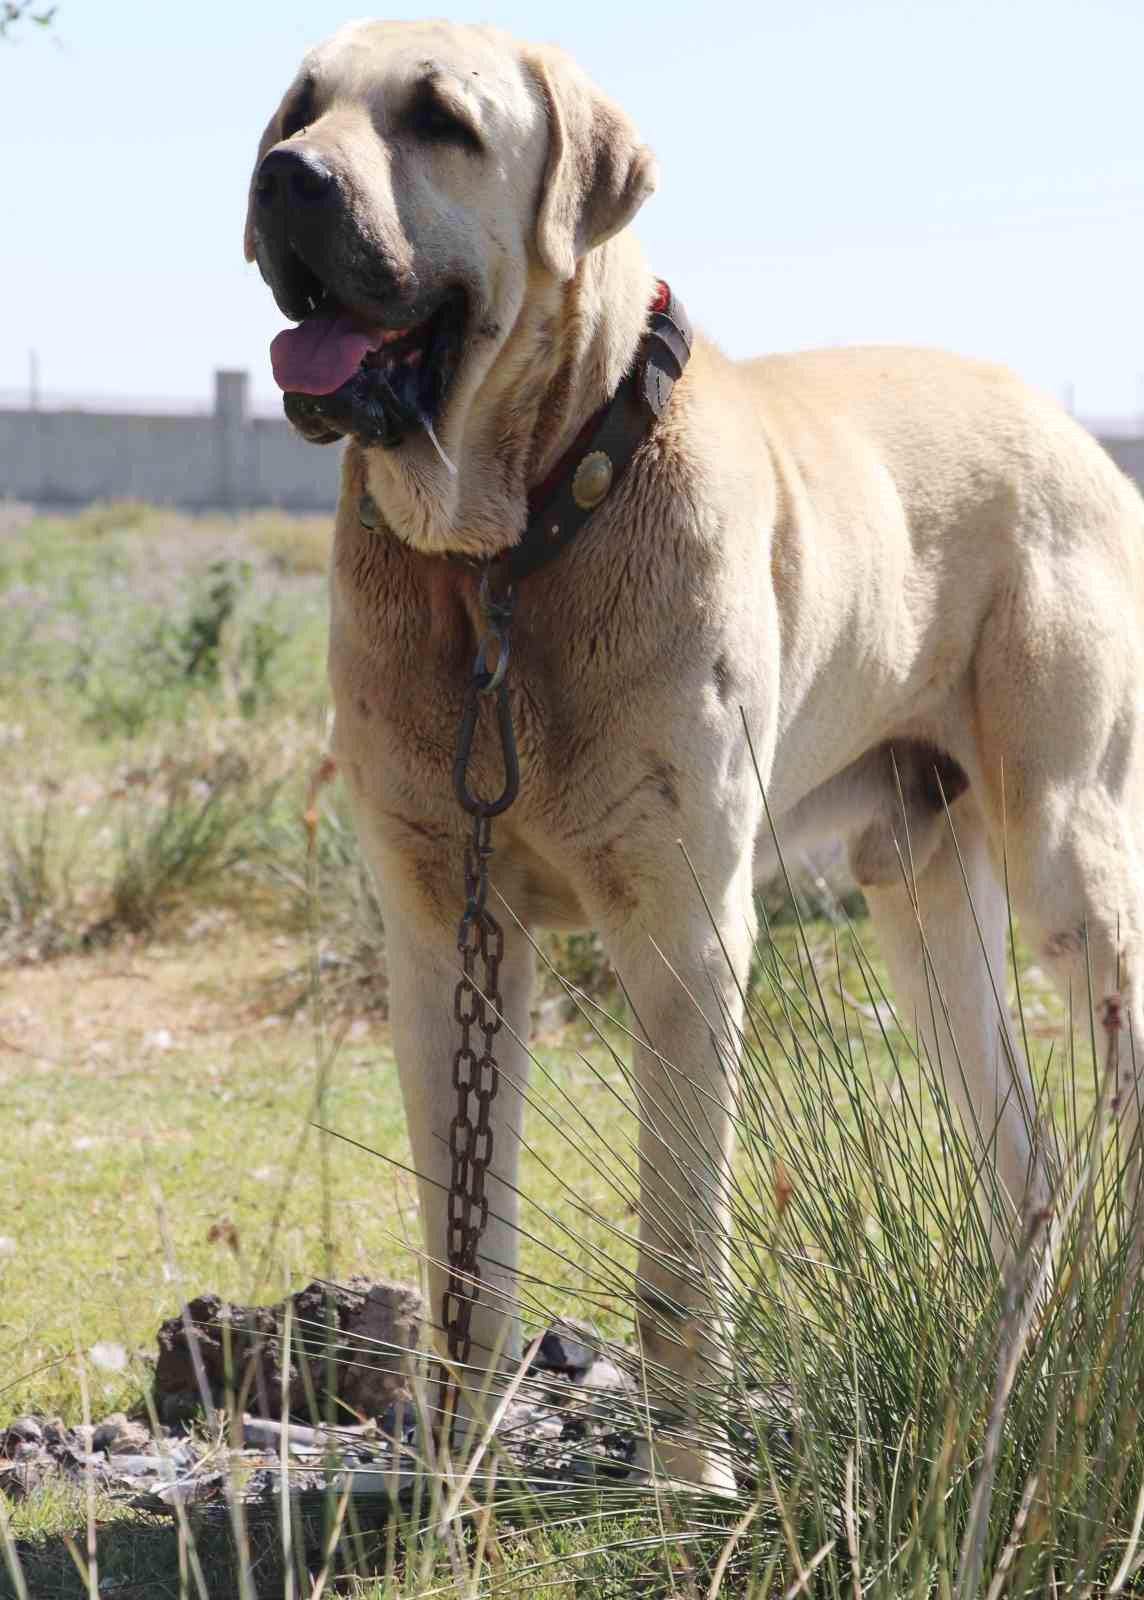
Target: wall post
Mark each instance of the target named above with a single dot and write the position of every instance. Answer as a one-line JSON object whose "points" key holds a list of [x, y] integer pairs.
{"points": [[232, 423]]}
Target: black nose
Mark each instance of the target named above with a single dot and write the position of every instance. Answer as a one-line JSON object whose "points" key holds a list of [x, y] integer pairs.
{"points": [[294, 176]]}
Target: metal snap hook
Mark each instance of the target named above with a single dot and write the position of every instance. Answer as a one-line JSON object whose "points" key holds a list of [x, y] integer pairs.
{"points": [[488, 679]]}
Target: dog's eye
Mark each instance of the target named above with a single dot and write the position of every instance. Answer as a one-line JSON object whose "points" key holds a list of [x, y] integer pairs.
{"points": [[437, 123], [300, 112]]}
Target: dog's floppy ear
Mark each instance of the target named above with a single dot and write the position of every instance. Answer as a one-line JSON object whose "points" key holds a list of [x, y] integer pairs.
{"points": [[270, 136], [599, 172]]}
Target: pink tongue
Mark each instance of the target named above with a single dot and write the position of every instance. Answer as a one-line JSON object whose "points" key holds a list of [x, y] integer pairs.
{"points": [[323, 351]]}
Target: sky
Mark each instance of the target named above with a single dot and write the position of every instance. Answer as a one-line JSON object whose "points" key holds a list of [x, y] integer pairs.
{"points": [[942, 172]]}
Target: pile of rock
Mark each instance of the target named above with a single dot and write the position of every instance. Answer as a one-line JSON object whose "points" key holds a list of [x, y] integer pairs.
{"points": [[121, 1455], [350, 1350]]}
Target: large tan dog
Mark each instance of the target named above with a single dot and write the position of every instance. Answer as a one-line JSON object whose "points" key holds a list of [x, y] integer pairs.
{"points": [[858, 550]]}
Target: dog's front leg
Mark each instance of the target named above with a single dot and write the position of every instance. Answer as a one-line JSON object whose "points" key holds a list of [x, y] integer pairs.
{"points": [[424, 967], [684, 978]]}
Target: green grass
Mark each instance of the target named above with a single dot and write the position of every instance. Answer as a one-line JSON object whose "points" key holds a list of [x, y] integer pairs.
{"points": [[213, 1118], [185, 991]]}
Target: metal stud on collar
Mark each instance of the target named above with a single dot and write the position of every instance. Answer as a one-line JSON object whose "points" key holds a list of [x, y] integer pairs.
{"points": [[592, 480]]}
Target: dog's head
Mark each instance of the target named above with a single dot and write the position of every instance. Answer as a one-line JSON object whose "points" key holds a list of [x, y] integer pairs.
{"points": [[408, 188]]}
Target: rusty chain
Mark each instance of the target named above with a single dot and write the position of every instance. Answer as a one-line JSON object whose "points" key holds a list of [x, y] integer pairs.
{"points": [[477, 1002], [475, 1076]]}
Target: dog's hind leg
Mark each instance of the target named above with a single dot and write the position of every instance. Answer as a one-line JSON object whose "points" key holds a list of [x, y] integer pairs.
{"points": [[943, 937], [1077, 885], [1061, 715]]}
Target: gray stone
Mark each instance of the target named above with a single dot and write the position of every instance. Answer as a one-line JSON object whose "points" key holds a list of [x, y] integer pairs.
{"points": [[603, 1390], [117, 1436], [20, 1431], [605, 1375], [567, 1346], [19, 1479], [382, 1339]]}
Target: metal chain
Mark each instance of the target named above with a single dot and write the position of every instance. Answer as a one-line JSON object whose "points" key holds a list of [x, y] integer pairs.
{"points": [[477, 1005]]}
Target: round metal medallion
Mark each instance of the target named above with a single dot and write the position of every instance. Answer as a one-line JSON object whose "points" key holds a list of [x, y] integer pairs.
{"points": [[593, 480]]}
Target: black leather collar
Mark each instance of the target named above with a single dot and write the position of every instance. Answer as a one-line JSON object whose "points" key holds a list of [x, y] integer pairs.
{"points": [[594, 466]]}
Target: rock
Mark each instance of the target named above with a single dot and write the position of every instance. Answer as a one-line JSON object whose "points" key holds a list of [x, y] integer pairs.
{"points": [[529, 1424], [568, 1347], [263, 1433], [382, 1339], [603, 1391], [605, 1375], [362, 1332], [119, 1437], [251, 1332], [772, 1414], [574, 1425], [132, 1467], [369, 1329], [20, 1479], [21, 1430]]}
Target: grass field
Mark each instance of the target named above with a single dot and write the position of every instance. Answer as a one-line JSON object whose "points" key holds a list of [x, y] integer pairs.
{"points": [[185, 991]]}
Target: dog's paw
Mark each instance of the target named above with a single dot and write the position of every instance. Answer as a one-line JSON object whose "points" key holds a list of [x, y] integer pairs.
{"points": [[676, 1467]]}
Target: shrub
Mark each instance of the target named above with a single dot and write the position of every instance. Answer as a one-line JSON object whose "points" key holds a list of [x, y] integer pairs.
{"points": [[115, 516], [35, 887], [298, 546], [188, 839]]}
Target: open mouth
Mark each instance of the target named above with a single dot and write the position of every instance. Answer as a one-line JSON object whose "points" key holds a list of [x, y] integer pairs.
{"points": [[343, 372]]}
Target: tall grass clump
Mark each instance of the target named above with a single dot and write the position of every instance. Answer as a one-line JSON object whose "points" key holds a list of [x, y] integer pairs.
{"points": [[165, 701], [190, 837], [904, 1418], [950, 1431], [36, 892]]}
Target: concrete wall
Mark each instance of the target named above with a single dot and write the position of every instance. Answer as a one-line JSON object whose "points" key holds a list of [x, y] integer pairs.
{"points": [[226, 459]]}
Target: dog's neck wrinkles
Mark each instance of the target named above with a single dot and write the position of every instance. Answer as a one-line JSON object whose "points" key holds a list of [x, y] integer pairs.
{"points": [[564, 358], [601, 323]]}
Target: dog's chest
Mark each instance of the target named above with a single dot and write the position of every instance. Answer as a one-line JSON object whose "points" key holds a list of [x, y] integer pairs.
{"points": [[596, 719], [404, 636]]}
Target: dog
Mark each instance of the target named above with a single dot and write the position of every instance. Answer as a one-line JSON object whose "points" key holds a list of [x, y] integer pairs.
{"points": [[916, 584]]}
